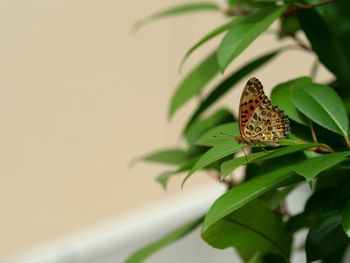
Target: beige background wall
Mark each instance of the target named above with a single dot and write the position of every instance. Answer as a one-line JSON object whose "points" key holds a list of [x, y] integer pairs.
{"points": [[80, 96]]}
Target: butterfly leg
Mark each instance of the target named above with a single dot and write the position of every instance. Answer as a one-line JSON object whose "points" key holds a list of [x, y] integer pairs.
{"points": [[244, 153], [262, 148]]}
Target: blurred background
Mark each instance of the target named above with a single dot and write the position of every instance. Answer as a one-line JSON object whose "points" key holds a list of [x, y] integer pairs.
{"points": [[81, 95]]}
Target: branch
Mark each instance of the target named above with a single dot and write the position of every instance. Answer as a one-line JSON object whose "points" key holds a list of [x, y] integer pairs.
{"points": [[299, 6]]}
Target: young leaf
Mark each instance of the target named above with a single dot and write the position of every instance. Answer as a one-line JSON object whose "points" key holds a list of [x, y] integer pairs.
{"points": [[346, 219], [230, 166], [194, 82], [167, 156], [199, 127], [312, 167], [280, 96], [206, 38], [244, 33], [217, 152], [322, 105], [248, 191], [178, 10], [219, 134], [145, 252], [164, 177], [261, 231], [229, 83]]}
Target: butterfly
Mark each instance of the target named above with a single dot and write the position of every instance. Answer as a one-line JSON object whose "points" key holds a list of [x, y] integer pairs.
{"points": [[260, 122]]}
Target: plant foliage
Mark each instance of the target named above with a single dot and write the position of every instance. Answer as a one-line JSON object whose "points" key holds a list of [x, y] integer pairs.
{"points": [[317, 152]]}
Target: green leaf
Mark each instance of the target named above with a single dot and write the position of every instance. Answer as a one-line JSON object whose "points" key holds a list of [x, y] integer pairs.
{"points": [[219, 134], [178, 10], [244, 33], [167, 156], [262, 233], [330, 38], [248, 191], [322, 105], [217, 152], [280, 96], [199, 127], [206, 38], [274, 198], [231, 165], [145, 252], [229, 83], [164, 177], [326, 239], [346, 219], [312, 167], [194, 83]]}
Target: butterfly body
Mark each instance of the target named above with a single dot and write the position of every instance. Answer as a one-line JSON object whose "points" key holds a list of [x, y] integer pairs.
{"points": [[260, 122]]}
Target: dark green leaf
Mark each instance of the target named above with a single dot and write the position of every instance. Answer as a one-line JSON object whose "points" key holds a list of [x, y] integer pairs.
{"points": [[199, 127], [194, 83], [229, 83], [322, 105], [219, 134], [178, 10], [312, 167], [230, 166], [244, 33], [145, 252], [330, 38], [262, 233], [326, 240], [167, 156], [217, 152], [248, 191], [281, 97], [346, 219]]}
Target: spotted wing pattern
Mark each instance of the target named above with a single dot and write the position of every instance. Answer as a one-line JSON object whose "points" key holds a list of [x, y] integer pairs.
{"points": [[260, 121]]}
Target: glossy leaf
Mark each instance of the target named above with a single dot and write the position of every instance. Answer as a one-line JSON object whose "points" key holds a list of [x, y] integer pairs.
{"points": [[200, 126], [178, 10], [244, 33], [281, 97], [167, 156], [229, 83], [230, 166], [194, 83], [312, 167], [219, 134], [145, 252], [346, 219], [322, 105], [248, 191], [253, 226], [217, 152]]}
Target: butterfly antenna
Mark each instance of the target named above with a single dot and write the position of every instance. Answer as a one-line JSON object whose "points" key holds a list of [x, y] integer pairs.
{"points": [[225, 134]]}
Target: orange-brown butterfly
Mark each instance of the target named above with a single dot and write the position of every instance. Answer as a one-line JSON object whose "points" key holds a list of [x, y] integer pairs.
{"points": [[260, 122]]}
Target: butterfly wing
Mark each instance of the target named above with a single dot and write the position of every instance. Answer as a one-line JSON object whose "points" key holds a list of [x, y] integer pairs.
{"points": [[267, 125], [260, 122], [252, 96]]}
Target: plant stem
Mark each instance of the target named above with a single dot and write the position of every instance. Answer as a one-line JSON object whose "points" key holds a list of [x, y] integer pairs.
{"points": [[347, 141], [314, 69], [299, 6], [313, 134]]}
